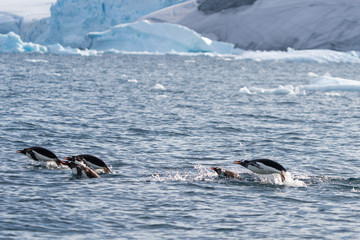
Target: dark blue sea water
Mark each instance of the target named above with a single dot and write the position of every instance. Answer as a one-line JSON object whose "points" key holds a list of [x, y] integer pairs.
{"points": [[161, 122]]}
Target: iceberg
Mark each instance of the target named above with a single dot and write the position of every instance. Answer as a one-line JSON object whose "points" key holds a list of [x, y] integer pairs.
{"points": [[71, 20], [329, 83], [324, 83], [12, 43], [144, 36]]}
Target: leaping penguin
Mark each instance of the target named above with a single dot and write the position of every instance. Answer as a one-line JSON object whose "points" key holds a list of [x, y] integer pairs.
{"points": [[225, 173], [91, 161], [80, 169], [40, 154], [263, 166]]}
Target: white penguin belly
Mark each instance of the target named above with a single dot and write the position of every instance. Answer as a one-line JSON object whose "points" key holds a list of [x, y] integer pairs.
{"points": [[264, 169], [40, 157]]}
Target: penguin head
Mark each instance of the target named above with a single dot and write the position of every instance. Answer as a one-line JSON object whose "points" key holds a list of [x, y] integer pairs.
{"points": [[72, 158], [75, 159], [24, 151], [217, 169], [242, 163], [70, 164]]}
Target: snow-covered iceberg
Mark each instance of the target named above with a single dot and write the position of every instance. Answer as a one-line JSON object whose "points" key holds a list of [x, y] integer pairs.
{"points": [[144, 36], [271, 24]]}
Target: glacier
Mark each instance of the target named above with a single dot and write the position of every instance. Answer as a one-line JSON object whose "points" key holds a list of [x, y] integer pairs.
{"points": [[271, 24]]}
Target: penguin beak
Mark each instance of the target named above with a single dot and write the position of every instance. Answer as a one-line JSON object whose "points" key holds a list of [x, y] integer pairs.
{"points": [[212, 168], [238, 162], [20, 151], [64, 162], [66, 158]]}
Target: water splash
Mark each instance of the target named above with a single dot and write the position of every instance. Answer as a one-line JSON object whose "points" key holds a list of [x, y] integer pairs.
{"points": [[203, 173]]}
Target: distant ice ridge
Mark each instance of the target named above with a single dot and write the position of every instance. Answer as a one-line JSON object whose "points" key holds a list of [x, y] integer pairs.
{"points": [[71, 20], [324, 83], [144, 36]]}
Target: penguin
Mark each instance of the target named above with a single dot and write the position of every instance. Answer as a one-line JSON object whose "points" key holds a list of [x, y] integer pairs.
{"points": [[225, 173], [263, 166], [40, 154], [80, 169], [91, 161]]}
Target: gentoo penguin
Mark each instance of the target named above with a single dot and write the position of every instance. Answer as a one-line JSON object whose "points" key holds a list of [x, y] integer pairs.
{"points": [[225, 173], [40, 154], [80, 169], [91, 161], [263, 166]]}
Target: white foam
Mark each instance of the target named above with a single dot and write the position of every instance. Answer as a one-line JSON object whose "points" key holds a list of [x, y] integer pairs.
{"points": [[290, 180], [159, 87], [280, 90], [201, 173], [36, 60]]}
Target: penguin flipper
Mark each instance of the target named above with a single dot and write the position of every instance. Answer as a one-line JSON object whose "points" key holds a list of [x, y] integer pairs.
{"points": [[33, 156]]}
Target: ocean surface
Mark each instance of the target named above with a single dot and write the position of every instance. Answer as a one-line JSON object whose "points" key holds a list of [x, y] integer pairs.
{"points": [[161, 122]]}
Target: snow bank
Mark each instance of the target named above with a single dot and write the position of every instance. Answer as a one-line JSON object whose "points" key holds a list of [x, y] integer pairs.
{"points": [[328, 83], [291, 55], [144, 36], [320, 83], [274, 25], [11, 43]]}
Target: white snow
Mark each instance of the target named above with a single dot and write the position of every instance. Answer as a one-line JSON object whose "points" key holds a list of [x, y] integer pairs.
{"points": [[274, 24], [25, 18], [144, 36], [28, 10]]}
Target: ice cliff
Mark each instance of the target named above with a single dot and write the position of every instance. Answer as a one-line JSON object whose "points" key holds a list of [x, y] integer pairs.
{"points": [[71, 20]]}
